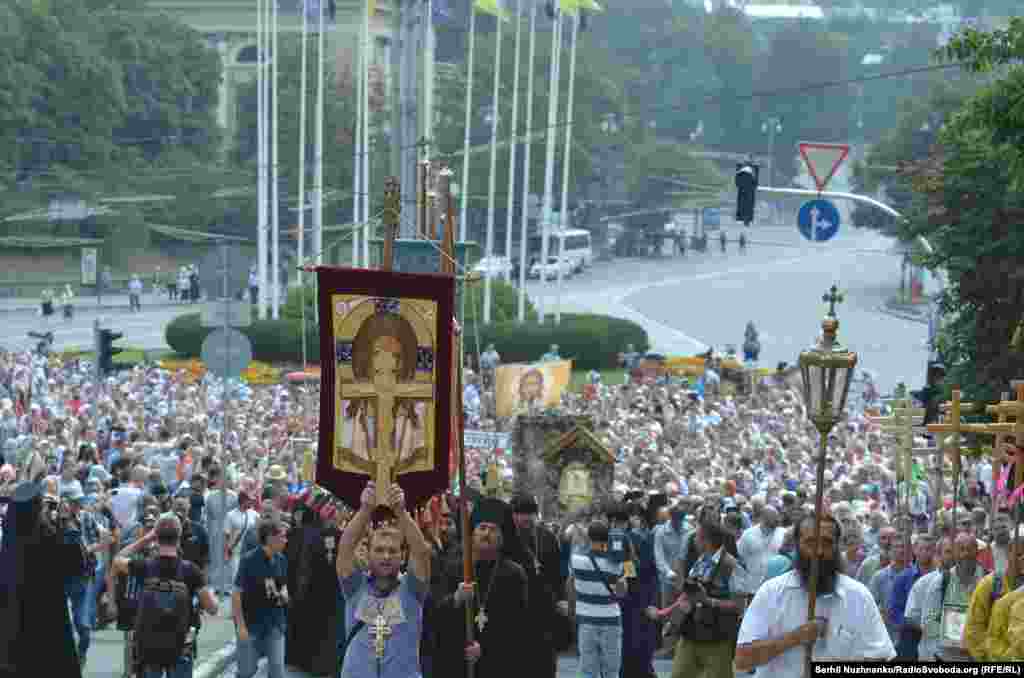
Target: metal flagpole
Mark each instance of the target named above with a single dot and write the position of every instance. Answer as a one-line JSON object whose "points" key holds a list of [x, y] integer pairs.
{"points": [[549, 164], [365, 165], [357, 174], [526, 162], [302, 145], [275, 222], [493, 176], [318, 159], [464, 183], [261, 161], [512, 145], [564, 206]]}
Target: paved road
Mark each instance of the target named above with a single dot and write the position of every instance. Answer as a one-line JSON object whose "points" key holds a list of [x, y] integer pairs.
{"points": [[106, 655], [568, 667], [141, 330], [688, 304]]}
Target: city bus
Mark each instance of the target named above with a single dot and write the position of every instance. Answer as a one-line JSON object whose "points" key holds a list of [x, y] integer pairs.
{"points": [[575, 247]]}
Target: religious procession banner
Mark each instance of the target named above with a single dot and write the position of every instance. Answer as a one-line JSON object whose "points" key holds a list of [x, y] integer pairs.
{"points": [[385, 405], [517, 387]]}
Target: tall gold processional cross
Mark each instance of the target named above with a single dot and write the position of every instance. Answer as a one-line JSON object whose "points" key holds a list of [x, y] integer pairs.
{"points": [[386, 393], [902, 425], [1015, 409]]}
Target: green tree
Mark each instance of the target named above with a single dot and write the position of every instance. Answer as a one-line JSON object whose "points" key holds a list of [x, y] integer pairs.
{"points": [[100, 99], [971, 202], [910, 139]]}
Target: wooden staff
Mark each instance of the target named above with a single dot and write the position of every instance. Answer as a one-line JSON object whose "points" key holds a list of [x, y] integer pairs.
{"points": [[467, 541]]}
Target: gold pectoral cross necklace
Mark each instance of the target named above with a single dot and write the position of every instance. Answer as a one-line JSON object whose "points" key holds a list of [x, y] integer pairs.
{"points": [[481, 615], [381, 631]]}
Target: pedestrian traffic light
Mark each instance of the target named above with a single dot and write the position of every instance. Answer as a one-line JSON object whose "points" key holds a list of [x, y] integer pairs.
{"points": [[747, 174], [106, 350]]}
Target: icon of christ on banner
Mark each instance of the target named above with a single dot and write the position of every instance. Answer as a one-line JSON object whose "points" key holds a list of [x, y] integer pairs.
{"points": [[385, 385], [386, 343]]}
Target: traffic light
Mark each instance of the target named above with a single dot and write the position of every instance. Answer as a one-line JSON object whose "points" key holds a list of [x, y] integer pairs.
{"points": [[106, 350], [747, 174]]}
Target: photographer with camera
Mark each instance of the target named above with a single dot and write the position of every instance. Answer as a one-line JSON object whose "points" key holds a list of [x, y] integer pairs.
{"points": [[706, 615], [164, 637]]}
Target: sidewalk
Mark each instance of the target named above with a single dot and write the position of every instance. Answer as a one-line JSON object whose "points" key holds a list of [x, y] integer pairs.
{"points": [[905, 313], [216, 649], [110, 302]]}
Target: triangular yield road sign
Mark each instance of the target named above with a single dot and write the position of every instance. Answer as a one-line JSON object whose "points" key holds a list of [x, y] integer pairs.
{"points": [[823, 160]]}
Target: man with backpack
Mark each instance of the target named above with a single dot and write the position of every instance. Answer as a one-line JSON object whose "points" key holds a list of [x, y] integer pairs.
{"points": [[164, 618]]}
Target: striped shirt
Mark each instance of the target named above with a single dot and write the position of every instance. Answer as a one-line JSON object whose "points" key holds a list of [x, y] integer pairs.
{"points": [[617, 546], [594, 602]]}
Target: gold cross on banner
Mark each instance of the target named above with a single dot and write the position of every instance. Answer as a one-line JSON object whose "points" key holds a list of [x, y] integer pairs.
{"points": [[381, 631], [386, 390]]}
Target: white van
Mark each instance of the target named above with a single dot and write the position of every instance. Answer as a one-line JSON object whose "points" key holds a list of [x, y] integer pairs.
{"points": [[572, 243]]}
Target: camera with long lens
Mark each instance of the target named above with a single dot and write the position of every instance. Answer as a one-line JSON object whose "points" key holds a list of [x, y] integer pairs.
{"points": [[693, 587], [55, 515]]}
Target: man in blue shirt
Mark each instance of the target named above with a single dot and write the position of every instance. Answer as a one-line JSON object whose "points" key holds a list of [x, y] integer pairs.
{"points": [[924, 554], [260, 602], [383, 609]]}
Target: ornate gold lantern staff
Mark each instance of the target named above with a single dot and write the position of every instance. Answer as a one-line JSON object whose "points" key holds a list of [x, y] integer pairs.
{"points": [[826, 370]]}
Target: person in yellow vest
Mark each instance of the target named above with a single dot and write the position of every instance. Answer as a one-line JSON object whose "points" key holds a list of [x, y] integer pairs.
{"points": [[1000, 643], [990, 589], [1015, 631]]}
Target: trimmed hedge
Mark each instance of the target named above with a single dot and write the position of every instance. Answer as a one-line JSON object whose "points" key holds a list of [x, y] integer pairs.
{"points": [[273, 341], [592, 341]]}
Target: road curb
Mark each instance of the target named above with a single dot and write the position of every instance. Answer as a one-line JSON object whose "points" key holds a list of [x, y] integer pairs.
{"points": [[217, 663], [902, 316], [34, 310]]}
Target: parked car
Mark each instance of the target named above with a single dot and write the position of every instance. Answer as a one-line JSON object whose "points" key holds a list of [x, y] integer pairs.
{"points": [[494, 267], [550, 270]]}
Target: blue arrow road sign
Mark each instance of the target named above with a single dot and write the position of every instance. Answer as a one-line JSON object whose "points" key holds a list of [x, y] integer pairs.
{"points": [[818, 220]]}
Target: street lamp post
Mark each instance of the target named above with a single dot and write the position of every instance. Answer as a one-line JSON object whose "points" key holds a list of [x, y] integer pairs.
{"points": [[771, 127], [825, 370]]}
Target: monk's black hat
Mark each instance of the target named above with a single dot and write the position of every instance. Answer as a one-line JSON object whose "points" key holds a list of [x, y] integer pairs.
{"points": [[490, 510], [525, 503]]}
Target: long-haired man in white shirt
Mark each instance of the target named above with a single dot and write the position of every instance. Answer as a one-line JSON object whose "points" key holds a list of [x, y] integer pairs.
{"points": [[848, 625]]}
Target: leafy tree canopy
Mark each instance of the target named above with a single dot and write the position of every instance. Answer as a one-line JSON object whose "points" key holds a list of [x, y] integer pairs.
{"points": [[969, 206]]}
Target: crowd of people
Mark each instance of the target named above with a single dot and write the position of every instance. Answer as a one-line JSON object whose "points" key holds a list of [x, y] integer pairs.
{"points": [[149, 499]]}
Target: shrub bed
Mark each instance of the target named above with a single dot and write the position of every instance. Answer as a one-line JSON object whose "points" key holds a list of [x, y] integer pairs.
{"points": [[273, 341], [592, 341]]}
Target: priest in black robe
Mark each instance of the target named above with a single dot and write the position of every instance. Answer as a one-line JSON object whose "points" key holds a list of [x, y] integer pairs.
{"points": [[36, 559], [639, 631], [499, 603], [539, 555], [312, 643]]}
